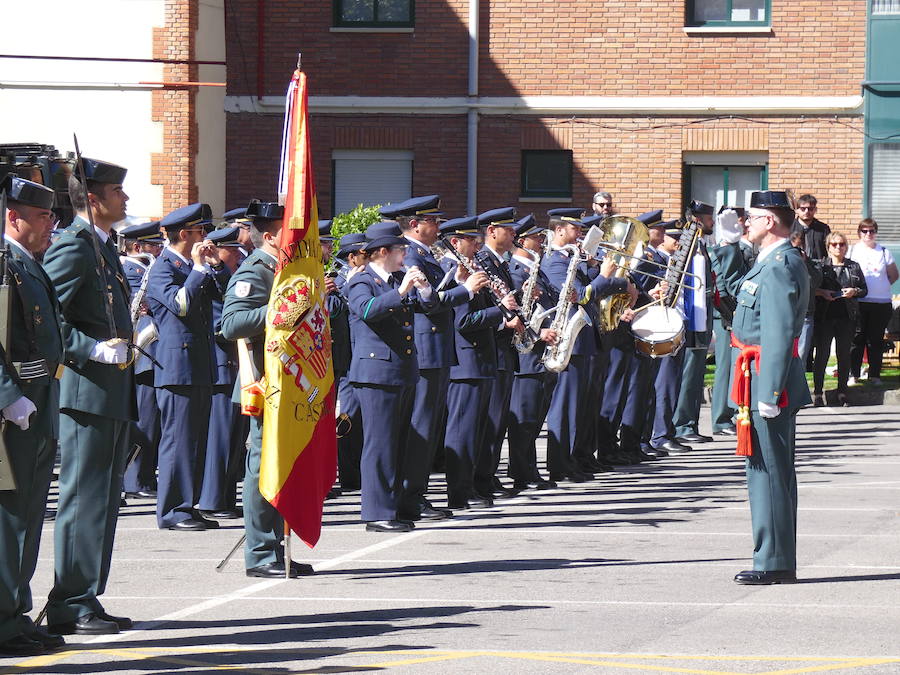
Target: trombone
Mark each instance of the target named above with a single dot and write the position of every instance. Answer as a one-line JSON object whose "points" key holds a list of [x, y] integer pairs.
{"points": [[613, 249]]}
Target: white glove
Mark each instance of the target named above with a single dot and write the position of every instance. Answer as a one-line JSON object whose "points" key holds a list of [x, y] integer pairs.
{"points": [[110, 352], [19, 411], [769, 410], [728, 230]]}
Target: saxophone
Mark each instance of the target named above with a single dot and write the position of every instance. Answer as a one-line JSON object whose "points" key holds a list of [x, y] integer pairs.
{"points": [[533, 320], [148, 334], [556, 356]]}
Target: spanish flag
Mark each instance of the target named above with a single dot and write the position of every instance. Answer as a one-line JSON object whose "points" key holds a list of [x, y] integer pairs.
{"points": [[299, 444]]}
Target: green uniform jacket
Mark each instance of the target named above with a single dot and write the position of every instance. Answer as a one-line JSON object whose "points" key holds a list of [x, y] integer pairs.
{"points": [[36, 334], [88, 386], [245, 304], [772, 301]]}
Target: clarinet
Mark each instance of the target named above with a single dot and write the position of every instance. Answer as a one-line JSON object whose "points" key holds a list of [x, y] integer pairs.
{"points": [[500, 291]]}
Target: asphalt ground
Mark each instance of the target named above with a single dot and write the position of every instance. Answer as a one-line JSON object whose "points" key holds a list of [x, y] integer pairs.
{"points": [[629, 573]]}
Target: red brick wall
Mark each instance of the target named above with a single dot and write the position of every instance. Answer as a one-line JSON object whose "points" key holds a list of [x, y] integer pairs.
{"points": [[174, 167]]}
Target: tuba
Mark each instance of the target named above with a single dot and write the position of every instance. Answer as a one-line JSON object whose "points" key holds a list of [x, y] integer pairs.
{"points": [[621, 236]]}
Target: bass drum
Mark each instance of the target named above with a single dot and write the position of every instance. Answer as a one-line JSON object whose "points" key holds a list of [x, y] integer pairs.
{"points": [[658, 331]]}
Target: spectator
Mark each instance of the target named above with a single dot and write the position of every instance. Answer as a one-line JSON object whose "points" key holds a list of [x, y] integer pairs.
{"points": [[837, 312], [814, 231], [603, 204], [814, 268], [880, 272]]}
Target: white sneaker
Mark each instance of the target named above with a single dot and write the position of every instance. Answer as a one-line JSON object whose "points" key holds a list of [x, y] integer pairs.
{"points": [[851, 381]]}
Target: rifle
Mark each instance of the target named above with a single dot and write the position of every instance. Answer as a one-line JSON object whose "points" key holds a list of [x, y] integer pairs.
{"points": [[7, 479]]}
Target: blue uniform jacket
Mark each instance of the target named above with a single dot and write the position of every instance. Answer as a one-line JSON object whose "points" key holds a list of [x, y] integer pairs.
{"points": [[384, 352], [530, 363], [434, 330], [339, 320], [507, 356], [180, 301], [556, 265], [476, 328]]}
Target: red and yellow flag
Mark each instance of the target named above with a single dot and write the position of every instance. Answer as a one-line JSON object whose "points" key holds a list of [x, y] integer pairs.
{"points": [[299, 445]]}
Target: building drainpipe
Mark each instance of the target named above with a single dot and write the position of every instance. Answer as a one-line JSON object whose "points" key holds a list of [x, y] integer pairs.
{"points": [[472, 114]]}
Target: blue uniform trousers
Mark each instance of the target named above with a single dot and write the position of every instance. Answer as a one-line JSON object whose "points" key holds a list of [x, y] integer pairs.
{"points": [[495, 431], [386, 414], [588, 438], [140, 474], [641, 373], [772, 487], [721, 408], [567, 408], [93, 450], [227, 438], [430, 400], [31, 456], [467, 406], [263, 526], [528, 406], [615, 390], [690, 398], [184, 414], [350, 435], [668, 387]]}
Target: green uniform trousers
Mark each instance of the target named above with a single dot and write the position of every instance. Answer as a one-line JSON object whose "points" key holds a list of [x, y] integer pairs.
{"points": [[772, 486], [31, 457], [92, 452], [721, 407], [262, 523], [690, 398]]}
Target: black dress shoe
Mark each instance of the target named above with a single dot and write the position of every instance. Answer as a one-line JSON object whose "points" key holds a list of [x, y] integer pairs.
{"points": [[224, 514], [425, 504], [522, 485], [123, 622], [210, 524], [388, 526], [20, 645], [543, 484], [46, 638], [86, 624], [275, 570], [190, 525], [727, 431], [428, 512], [477, 501], [758, 578], [141, 494], [646, 457], [579, 477], [693, 438], [674, 447]]}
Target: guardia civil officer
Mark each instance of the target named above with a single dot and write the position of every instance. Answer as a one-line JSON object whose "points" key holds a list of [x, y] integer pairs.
{"points": [[29, 402], [142, 244], [97, 401], [771, 305], [227, 437], [469, 392], [349, 257], [244, 317], [384, 369], [182, 285], [418, 221], [533, 384], [498, 226], [698, 306]]}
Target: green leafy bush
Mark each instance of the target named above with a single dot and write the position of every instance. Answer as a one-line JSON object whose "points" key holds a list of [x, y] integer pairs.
{"points": [[356, 220]]}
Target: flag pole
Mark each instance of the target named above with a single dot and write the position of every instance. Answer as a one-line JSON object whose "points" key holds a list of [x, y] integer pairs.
{"points": [[287, 550]]}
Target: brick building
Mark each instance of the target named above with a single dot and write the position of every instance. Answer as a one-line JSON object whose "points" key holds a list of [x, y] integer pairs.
{"points": [[535, 105]]}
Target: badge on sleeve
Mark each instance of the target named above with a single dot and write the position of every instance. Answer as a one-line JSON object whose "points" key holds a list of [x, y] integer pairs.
{"points": [[242, 289]]}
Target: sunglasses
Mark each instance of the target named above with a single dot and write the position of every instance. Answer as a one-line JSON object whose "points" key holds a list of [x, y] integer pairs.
{"points": [[837, 243], [868, 231], [603, 203]]}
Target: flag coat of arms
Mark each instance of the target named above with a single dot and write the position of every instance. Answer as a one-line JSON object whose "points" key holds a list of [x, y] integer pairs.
{"points": [[299, 445]]}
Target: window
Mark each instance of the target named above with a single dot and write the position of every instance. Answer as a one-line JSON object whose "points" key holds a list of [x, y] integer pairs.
{"points": [[546, 173], [880, 7], [725, 178], [373, 13], [728, 12], [884, 195], [370, 177]]}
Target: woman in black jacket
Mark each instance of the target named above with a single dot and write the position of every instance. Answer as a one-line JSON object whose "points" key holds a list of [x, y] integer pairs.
{"points": [[837, 312]]}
